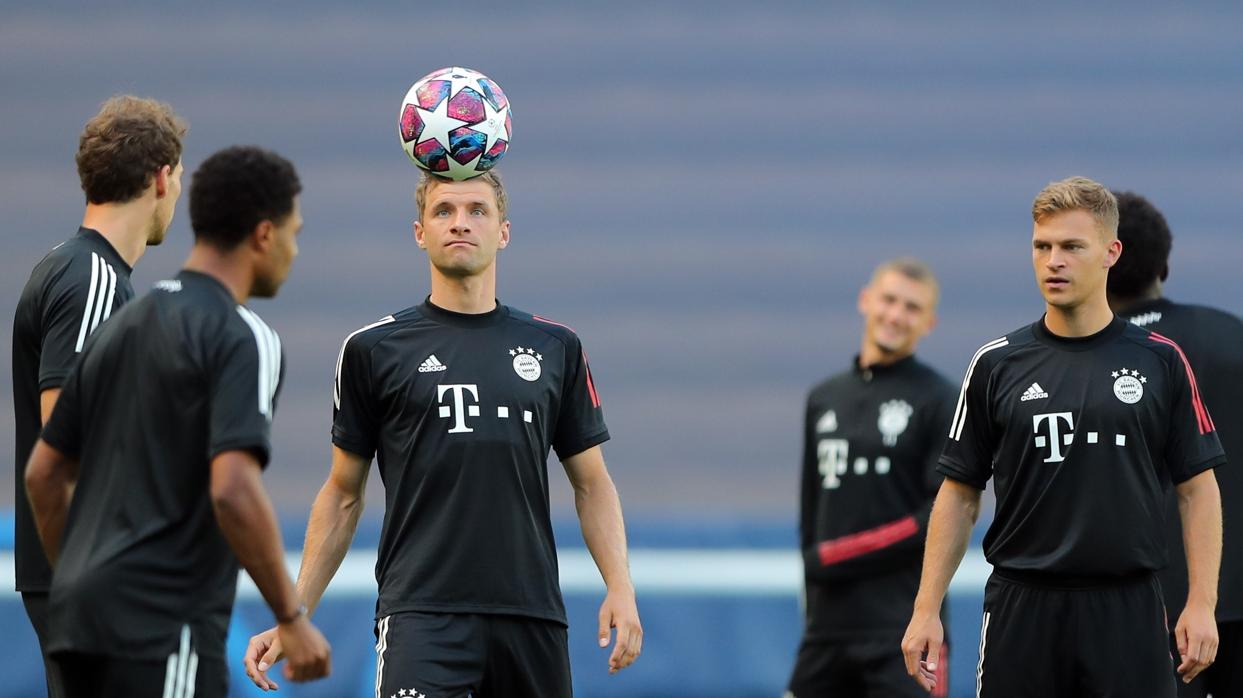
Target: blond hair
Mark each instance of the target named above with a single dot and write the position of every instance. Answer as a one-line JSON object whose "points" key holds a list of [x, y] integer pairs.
{"points": [[914, 269], [1078, 194], [492, 177]]}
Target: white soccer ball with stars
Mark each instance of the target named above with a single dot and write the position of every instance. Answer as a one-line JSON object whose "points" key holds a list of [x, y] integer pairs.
{"points": [[455, 123]]}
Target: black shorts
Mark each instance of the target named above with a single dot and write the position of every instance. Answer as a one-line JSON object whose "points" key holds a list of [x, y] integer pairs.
{"points": [[36, 609], [455, 655], [181, 675], [862, 668], [1040, 640], [1224, 677]]}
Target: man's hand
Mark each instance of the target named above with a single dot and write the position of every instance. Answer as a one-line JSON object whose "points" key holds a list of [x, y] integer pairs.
{"points": [[304, 646], [620, 611], [309, 655], [263, 651], [921, 648], [1196, 634]]}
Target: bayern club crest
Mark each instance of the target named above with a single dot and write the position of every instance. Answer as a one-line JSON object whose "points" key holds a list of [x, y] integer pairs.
{"points": [[455, 123], [527, 363], [1128, 385], [894, 416]]}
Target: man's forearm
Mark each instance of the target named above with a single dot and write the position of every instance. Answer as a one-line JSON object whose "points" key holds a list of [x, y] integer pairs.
{"points": [[1199, 507], [50, 478], [600, 515], [329, 532], [953, 514], [248, 522]]}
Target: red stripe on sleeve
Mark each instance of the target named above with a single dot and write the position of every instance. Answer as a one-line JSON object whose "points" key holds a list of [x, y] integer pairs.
{"points": [[591, 385], [863, 542], [1203, 420]]}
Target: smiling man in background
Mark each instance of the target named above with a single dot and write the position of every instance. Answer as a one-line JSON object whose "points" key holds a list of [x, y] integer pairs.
{"points": [[871, 437]]}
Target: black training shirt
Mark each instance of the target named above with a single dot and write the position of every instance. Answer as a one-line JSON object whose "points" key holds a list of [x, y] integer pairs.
{"points": [[176, 378], [1083, 438], [870, 446], [74, 289], [460, 412], [1213, 341]]}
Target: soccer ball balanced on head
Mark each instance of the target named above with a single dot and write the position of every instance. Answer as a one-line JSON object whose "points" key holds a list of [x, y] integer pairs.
{"points": [[455, 123]]}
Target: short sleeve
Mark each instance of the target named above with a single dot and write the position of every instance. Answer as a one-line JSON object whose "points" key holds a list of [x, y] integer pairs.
{"points": [[75, 304], [940, 414], [355, 427], [244, 379], [580, 424], [1192, 445], [64, 428], [968, 452]]}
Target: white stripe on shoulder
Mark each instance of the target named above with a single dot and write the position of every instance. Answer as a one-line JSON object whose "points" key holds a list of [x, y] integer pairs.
{"points": [[98, 313], [112, 291], [90, 303], [269, 358], [960, 412], [336, 383], [276, 363]]}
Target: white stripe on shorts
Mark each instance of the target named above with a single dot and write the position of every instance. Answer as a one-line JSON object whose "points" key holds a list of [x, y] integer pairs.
{"points": [[979, 668], [381, 645]]}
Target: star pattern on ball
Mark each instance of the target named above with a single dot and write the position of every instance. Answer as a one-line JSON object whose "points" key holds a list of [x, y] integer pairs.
{"points": [[460, 171], [459, 78], [437, 123], [456, 122], [498, 119]]}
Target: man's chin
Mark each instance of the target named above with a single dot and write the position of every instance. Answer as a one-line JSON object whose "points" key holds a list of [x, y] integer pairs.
{"points": [[895, 346], [459, 269], [1061, 301]]}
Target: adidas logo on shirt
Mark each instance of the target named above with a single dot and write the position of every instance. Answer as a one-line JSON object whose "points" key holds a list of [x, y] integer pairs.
{"points": [[1035, 392], [431, 364]]}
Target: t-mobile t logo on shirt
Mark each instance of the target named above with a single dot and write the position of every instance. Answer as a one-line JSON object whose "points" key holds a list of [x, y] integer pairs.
{"points": [[458, 410], [1056, 438]]}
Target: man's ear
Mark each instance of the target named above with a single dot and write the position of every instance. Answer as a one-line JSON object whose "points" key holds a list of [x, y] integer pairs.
{"points": [[161, 181], [264, 236], [504, 235]]}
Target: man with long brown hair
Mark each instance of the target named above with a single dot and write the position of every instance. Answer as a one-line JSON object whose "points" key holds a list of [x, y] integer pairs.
{"points": [[129, 164]]}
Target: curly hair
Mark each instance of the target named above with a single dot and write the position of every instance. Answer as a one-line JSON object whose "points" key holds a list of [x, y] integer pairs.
{"points": [[237, 188], [124, 145], [1146, 243]]}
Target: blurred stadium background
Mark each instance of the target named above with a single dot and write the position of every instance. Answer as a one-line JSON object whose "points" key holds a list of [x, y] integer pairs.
{"points": [[699, 189]]}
